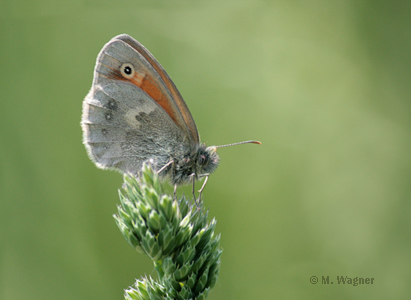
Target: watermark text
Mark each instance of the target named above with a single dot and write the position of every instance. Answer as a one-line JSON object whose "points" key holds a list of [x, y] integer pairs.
{"points": [[343, 280]]}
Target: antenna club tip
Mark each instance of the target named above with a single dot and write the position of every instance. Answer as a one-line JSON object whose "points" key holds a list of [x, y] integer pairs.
{"points": [[256, 142]]}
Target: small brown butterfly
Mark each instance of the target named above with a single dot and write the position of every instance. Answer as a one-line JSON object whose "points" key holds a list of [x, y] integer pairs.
{"points": [[134, 113]]}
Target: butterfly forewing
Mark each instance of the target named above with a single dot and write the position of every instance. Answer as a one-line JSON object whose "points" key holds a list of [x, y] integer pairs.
{"points": [[175, 94], [146, 75]]}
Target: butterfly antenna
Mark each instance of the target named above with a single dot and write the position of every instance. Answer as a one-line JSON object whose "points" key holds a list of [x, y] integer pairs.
{"points": [[239, 143]]}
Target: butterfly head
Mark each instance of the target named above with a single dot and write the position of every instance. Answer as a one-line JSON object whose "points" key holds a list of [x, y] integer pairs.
{"points": [[207, 159], [200, 161]]}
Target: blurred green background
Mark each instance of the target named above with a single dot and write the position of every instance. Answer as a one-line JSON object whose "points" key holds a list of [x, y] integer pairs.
{"points": [[325, 85]]}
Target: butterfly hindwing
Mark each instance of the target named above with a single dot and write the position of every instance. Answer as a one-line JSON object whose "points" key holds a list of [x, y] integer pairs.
{"points": [[123, 127]]}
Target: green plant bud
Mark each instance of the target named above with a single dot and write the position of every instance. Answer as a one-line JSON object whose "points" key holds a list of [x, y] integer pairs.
{"points": [[186, 255], [166, 239], [142, 210], [175, 235], [195, 239], [150, 246], [130, 238], [163, 221], [213, 275], [182, 272], [203, 295], [185, 293], [172, 284], [184, 206], [186, 221], [176, 219], [147, 177], [166, 207], [191, 280], [169, 266], [152, 198], [124, 216], [183, 235], [206, 236], [199, 262], [139, 227], [154, 221], [202, 281]]}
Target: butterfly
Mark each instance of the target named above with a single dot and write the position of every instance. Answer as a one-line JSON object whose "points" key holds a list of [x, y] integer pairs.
{"points": [[134, 113]]}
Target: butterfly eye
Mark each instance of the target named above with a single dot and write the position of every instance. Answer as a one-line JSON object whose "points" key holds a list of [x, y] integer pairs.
{"points": [[201, 159], [127, 70]]}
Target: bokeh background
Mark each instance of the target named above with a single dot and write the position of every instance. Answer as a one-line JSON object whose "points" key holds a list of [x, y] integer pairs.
{"points": [[325, 85]]}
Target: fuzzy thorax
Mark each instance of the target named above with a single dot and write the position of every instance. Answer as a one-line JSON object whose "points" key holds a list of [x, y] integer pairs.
{"points": [[199, 162]]}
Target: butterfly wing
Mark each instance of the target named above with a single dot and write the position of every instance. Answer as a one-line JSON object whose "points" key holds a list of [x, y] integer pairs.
{"points": [[149, 76], [129, 117], [172, 101]]}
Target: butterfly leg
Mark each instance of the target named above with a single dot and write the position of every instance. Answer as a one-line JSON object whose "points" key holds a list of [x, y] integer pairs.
{"points": [[165, 166], [197, 200], [194, 187], [200, 191]]}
